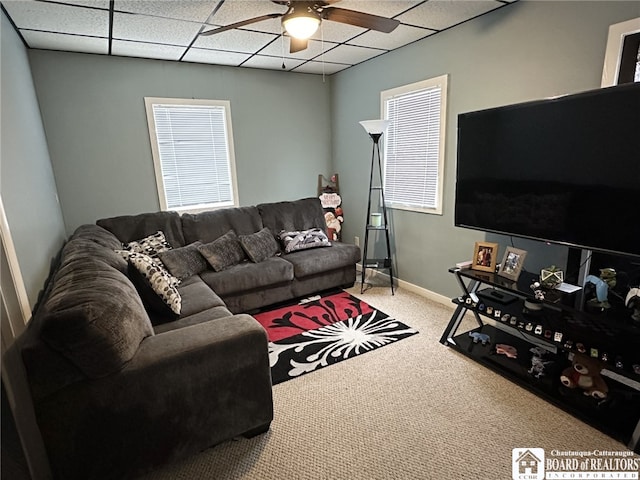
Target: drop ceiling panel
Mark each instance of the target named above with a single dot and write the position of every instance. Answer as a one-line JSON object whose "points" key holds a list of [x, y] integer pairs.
{"points": [[169, 29], [146, 50], [441, 14], [319, 68], [402, 35], [51, 17], [193, 10], [272, 63], [143, 28], [350, 54], [216, 57], [64, 42], [235, 40]]}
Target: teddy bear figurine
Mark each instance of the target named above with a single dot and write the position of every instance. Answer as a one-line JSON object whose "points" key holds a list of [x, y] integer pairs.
{"points": [[584, 373]]}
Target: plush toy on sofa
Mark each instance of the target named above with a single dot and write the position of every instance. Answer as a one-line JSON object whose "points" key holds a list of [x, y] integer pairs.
{"points": [[584, 373]]}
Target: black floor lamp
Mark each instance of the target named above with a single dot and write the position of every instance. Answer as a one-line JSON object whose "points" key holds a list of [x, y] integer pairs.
{"points": [[376, 221]]}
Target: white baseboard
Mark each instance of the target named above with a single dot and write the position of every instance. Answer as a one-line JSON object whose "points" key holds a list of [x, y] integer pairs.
{"points": [[423, 292]]}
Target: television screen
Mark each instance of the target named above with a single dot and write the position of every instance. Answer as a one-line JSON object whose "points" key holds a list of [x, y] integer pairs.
{"points": [[564, 170]]}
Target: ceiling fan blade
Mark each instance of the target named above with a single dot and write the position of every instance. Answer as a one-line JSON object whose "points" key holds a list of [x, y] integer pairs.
{"points": [[241, 24], [297, 44], [360, 19]]}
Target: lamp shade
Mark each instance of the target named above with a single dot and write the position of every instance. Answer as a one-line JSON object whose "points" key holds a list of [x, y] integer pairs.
{"points": [[375, 126], [301, 25]]}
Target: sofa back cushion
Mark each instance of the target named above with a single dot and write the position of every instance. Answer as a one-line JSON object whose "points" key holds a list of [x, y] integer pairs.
{"points": [[129, 228], [93, 315], [301, 214], [209, 226], [97, 235]]}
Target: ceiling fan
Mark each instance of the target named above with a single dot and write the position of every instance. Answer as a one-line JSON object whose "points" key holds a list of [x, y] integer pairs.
{"points": [[302, 19]]}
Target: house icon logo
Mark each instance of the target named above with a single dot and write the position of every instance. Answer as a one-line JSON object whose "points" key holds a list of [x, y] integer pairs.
{"points": [[528, 463]]}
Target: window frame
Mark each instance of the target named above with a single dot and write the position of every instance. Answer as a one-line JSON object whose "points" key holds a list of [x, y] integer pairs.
{"points": [[155, 151], [385, 95]]}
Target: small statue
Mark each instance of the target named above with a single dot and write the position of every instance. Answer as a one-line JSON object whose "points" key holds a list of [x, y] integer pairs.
{"points": [[603, 284]]}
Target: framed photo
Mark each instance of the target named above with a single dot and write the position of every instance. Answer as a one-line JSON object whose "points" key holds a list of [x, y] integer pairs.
{"points": [[512, 262], [484, 257], [620, 61]]}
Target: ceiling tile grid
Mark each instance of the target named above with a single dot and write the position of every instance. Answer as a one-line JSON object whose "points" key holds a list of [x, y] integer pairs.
{"points": [[170, 30]]}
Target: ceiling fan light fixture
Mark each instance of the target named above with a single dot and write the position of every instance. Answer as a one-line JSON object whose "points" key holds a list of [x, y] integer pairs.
{"points": [[301, 24]]}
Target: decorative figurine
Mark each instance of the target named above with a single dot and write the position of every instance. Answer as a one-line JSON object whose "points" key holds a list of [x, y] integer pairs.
{"points": [[507, 350], [603, 284], [538, 362], [584, 373], [480, 337], [551, 277]]}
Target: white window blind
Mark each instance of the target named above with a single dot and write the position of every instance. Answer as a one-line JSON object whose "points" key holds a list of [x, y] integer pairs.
{"points": [[193, 153], [414, 145]]}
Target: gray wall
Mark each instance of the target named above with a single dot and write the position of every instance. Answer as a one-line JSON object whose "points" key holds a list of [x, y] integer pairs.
{"points": [[525, 51], [93, 112], [27, 183]]}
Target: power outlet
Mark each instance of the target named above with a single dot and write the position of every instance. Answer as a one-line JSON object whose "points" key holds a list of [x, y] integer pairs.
{"points": [[356, 241]]}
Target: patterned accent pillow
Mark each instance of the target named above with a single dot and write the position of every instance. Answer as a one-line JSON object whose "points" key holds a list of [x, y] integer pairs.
{"points": [[304, 239], [223, 252], [184, 262], [154, 285], [151, 245], [260, 245]]}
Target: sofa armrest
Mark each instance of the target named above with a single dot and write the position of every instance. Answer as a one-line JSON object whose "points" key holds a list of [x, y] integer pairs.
{"points": [[183, 391]]}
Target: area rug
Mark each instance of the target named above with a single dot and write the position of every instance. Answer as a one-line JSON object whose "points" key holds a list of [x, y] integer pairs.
{"points": [[323, 330]]}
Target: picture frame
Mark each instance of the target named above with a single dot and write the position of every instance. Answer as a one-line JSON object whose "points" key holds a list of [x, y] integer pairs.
{"points": [[484, 257], [621, 52], [512, 263]]}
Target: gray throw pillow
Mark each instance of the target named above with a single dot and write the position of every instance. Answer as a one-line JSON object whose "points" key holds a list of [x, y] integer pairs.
{"points": [[303, 240], [184, 262], [223, 252], [260, 245]]}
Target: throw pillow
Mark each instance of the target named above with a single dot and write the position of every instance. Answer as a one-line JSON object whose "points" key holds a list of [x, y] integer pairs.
{"points": [[184, 262], [151, 245], [302, 240], [154, 285], [260, 245], [223, 252]]}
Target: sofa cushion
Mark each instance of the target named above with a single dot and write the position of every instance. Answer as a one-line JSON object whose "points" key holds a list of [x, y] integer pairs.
{"points": [[223, 252], [155, 285], [134, 227], [211, 314], [303, 240], [297, 215], [207, 226], [184, 262], [260, 245], [320, 260], [98, 235], [94, 317], [197, 296], [79, 247], [248, 276]]}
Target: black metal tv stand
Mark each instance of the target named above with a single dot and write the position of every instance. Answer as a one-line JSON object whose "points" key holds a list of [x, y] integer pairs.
{"points": [[559, 329]]}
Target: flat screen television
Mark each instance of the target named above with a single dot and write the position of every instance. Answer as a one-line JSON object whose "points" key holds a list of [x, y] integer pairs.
{"points": [[564, 170]]}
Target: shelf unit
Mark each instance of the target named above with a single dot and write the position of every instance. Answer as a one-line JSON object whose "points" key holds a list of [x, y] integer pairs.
{"points": [[376, 196], [618, 415]]}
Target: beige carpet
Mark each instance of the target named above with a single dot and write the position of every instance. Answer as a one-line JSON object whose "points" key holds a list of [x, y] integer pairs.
{"points": [[411, 410]]}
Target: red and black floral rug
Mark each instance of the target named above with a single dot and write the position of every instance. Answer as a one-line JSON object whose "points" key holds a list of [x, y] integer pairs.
{"points": [[323, 330]]}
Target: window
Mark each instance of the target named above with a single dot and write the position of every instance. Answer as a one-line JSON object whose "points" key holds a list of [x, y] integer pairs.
{"points": [[192, 146], [414, 145]]}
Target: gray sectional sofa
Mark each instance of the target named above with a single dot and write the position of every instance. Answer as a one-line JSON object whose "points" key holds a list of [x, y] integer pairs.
{"points": [[106, 384]]}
